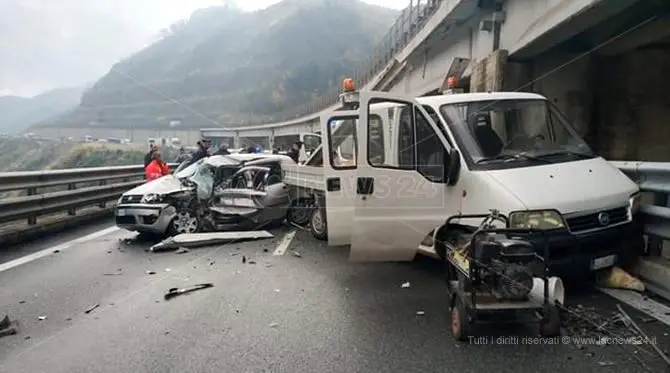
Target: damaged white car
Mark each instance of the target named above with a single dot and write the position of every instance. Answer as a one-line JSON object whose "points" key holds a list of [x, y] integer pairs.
{"points": [[217, 193]]}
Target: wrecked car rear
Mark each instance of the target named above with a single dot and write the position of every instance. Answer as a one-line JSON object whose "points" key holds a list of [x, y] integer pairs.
{"points": [[222, 192]]}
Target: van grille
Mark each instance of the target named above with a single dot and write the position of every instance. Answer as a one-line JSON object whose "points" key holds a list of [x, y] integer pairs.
{"points": [[591, 221]]}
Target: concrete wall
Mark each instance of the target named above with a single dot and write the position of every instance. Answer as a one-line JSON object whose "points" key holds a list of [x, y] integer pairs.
{"points": [[427, 69], [634, 105]]}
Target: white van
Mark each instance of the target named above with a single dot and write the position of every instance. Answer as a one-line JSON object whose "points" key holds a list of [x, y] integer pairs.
{"points": [[413, 163]]}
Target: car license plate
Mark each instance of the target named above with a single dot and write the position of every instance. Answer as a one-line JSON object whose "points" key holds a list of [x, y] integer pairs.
{"points": [[603, 262], [120, 212]]}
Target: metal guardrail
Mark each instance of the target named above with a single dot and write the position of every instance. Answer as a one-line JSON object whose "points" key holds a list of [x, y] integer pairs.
{"points": [[85, 187], [653, 178]]}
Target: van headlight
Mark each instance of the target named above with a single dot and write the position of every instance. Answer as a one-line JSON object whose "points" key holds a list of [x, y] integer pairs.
{"points": [[151, 198], [634, 203], [548, 219]]}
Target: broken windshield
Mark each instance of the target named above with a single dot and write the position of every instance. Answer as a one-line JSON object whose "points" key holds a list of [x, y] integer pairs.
{"points": [[513, 131]]}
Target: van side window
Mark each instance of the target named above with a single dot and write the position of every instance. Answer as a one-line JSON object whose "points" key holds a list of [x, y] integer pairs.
{"points": [[343, 142], [406, 148], [381, 136], [430, 152]]}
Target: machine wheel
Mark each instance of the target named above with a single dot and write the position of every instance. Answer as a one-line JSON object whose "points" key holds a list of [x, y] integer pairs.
{"points": [[550, 325], [186, 221], [299, 213], [461, 324], [318, 224]]}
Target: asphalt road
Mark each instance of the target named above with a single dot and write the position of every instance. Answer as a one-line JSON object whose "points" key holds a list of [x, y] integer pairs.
{"points": [[274, 313]]}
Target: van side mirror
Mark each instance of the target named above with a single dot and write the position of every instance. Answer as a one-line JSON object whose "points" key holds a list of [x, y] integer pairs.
{"points": [[453, 169]]}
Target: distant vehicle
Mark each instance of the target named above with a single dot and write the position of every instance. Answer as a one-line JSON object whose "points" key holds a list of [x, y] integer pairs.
{"points": [[221, 192]]}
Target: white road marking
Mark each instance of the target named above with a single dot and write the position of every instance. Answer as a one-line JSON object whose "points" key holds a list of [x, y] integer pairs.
{"points": [[284, 244], [62, 247], [651, 307]]}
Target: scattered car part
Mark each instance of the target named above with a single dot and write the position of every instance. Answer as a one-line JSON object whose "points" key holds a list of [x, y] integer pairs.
{"points": [[92, 308], [206, 239], [173, 292]]}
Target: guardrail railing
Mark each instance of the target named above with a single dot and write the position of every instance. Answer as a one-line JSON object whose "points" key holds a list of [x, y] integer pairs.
{"points": [[653, 178], [39, 193]]}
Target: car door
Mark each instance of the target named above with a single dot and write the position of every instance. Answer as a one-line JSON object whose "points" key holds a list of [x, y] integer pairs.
{"points": [[276, 200], [339, 166], [404, 194]]}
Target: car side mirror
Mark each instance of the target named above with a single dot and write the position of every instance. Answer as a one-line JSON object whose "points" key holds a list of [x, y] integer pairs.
{"points": [[453, 169]]}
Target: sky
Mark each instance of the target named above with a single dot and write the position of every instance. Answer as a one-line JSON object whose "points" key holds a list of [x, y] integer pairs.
{"points": [[48, 44]]}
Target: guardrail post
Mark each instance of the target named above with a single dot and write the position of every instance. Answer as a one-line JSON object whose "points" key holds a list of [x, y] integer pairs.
{"points": [[71, 211], [655, 244], [103, 203], [33, 219]]}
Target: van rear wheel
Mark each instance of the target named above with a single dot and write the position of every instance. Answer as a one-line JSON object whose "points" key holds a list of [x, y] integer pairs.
{"points": [[318, 224]]}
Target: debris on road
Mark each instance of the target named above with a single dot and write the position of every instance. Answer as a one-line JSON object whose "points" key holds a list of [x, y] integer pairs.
{"points": [[93, 307], [190, 240], [405, 285], [628, 321], [182, 250], [296, 254], [118, 272], [7, 327], [173, 292], [274, 325], [617, 278]]}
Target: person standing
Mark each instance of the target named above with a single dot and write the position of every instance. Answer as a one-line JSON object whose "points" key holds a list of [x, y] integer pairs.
{"points": [[149, 156], [203, 150], [156, 168]]}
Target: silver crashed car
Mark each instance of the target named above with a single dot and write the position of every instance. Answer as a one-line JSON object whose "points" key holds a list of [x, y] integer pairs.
{"points": [[221, 192]]}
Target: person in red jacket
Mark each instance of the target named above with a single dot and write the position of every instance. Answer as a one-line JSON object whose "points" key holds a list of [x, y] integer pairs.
{"points": [[156, 168]]}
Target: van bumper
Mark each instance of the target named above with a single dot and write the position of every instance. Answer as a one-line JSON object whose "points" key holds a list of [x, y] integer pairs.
{"points": [[572, 256]]}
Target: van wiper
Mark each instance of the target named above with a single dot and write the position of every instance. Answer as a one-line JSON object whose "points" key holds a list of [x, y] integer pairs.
{"points": [[567, 152], [513, 157]]}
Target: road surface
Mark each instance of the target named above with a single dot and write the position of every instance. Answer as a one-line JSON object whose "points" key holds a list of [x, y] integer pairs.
{"points": [[275, 313]]}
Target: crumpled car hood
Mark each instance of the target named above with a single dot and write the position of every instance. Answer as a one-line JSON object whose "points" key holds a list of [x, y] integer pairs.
{"points": [[163, 185]]}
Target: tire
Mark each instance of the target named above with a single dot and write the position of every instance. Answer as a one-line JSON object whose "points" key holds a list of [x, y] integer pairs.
{"points": [[186, 221], [299, 213], [318, 225], [461, 326], [550, 325]]}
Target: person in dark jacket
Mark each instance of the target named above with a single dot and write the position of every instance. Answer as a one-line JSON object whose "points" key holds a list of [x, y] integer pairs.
{"points": [[222, 150], [183, 156], [203, 150], [149, 156], [294, 152]]}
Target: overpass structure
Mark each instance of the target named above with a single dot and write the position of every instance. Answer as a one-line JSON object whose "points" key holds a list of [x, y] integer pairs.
{"points": [[548, 46], [600, 61]]}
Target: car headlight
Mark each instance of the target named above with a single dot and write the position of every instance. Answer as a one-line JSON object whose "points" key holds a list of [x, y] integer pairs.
{"points": [[151, 198], [634, 202], [548, 219]]}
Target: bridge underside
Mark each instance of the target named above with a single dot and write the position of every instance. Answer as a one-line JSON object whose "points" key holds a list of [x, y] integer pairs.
{"points": [[609, 75]]}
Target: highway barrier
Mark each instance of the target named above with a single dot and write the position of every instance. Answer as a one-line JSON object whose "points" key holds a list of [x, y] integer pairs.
{"points": [[31, 194]]}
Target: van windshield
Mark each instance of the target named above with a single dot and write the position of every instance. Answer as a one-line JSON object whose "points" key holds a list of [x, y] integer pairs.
{"points": [[525, 130]]}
